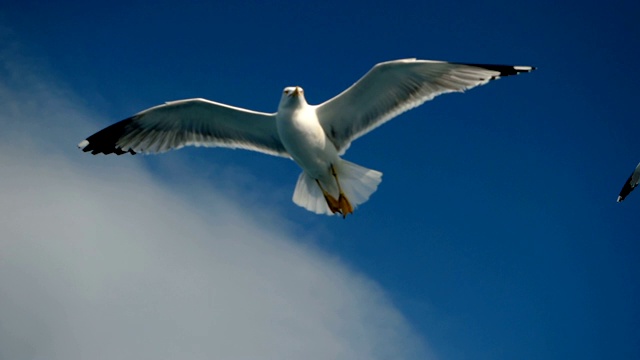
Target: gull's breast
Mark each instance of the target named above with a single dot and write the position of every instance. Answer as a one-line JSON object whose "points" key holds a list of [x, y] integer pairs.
{"points": [[305, 140]]}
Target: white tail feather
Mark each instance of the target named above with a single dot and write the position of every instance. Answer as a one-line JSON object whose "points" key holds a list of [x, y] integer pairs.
{"points": [[309, 196], [357, 182]]}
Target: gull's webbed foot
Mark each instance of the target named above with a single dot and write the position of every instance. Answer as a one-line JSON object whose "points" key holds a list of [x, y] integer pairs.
{"points": [[345, 206], [334, 205]]}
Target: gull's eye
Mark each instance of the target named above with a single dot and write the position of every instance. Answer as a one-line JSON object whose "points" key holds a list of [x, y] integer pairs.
{"points": [[287, 91]]}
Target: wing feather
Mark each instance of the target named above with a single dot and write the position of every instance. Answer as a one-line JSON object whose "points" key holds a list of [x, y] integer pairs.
{"points": [[195, 122], [630, 184], [393, 87]]}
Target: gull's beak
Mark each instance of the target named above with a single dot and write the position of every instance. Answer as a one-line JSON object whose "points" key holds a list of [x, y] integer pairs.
{"points": [[297, 91]]}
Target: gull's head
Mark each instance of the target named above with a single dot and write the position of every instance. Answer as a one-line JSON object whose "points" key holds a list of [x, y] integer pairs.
{"points": [[292, 96]]}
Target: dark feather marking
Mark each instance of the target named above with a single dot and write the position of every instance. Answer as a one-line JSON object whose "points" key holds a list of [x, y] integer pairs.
{"points": [[504, 70], [104, 141], [627, 188]]}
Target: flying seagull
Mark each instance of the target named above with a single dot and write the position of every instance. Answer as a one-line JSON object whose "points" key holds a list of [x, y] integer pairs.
{"points": [[630, 184], [314, 136]]}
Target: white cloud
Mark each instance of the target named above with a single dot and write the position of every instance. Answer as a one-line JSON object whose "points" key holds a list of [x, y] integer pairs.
{"points": [[100, 261]]}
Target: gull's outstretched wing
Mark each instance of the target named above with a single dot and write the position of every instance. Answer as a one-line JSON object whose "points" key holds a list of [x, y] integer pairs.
{"points": [[196, 122], [630, 184], [393, 87]]}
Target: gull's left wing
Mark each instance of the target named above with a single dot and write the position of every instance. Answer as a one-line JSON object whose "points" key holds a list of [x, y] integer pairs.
{"points": [[196, 122], [393, 87]]}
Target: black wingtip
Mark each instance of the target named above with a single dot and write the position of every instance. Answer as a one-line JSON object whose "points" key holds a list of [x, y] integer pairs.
{"points": [[505, 70], [104, 141], [626, 189]]}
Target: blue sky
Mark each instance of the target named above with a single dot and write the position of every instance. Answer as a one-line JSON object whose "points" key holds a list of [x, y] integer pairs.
{"points": [[494, 235]]}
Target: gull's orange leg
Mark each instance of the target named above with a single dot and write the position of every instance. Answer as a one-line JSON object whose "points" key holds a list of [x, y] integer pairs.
{"points": [[343, 202], [334, 205]]}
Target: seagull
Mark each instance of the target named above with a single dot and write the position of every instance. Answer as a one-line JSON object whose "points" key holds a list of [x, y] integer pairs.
{"points": [[630, 184], [314, 136]]}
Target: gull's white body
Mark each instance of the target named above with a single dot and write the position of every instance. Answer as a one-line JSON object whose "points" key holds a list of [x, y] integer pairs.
{"points": [[303, 136], [306, 141], [314, 136]]}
